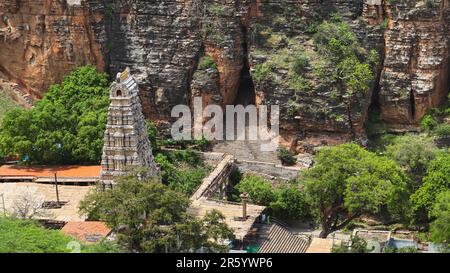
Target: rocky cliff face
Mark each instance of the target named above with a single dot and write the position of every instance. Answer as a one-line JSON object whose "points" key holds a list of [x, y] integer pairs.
{"points": [[415, 71], [41, 41], [165, 41]]}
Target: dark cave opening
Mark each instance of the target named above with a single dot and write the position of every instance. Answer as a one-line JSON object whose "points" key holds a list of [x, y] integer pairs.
{"points": [[374, 107], [412, 104], [373, 120], [246, 92]]}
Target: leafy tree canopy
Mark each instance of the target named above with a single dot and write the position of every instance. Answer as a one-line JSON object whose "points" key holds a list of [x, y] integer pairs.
{"points": [[440, 228], [259, 190], [290, 203], [65, 127], [413, 153], [286, 200], [28, 236], [150, 217], [436, 181], [348, 181], [336, 40]]}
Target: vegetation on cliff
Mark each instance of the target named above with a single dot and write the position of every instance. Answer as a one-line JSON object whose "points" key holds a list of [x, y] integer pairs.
{"points": [[434, 183], [327, 67], [437, 121]]}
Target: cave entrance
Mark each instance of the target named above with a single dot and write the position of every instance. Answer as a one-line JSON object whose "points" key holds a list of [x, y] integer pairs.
{"points": [[246, 92]]}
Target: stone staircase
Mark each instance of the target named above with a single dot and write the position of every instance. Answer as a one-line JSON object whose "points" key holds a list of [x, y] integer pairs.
{"points": [[246, 150]]}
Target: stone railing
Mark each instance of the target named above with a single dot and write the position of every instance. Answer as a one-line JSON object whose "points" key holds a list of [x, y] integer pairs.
{"points": [[217, 179]]}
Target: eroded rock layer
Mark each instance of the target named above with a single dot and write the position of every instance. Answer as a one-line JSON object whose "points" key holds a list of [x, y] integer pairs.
{"points": [[415, 72], [164, 41], [41, 41]]}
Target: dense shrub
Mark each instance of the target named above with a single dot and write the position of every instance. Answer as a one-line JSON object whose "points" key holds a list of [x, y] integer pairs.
{"points": [[442, 130], [413, 153], [300, 63], [286, 157], [286, 201], [207, 63], [259, 190], [428, 123], [290, 203], [440, 227]]}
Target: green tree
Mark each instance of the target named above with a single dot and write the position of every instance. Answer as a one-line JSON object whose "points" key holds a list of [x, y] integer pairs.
{"points": [[259, 190], [28, 236], [66, 126], [286, 200], [413, 154], [150, 217], [348, 181], [353, 64], [286, 157], [440, 227], [290, 203], [436, 181]]}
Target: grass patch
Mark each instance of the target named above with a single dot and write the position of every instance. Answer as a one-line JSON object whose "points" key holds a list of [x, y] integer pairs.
{"points": [[28, 236]]}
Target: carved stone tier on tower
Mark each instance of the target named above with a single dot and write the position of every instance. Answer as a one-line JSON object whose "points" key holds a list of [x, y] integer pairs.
{"points": [[126, 142]]}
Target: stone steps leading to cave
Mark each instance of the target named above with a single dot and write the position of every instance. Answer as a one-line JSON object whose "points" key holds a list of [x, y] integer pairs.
{"points": [[245, 150]]}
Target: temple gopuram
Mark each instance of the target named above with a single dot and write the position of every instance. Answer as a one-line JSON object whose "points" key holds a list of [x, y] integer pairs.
{"points": [[126, 143]]}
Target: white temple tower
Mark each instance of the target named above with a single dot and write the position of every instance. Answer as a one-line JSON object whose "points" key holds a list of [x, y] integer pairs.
{"points": [[126, 142]]}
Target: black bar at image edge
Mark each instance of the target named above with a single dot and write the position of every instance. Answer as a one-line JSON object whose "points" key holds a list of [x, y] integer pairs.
{"points": [[224, 262]]}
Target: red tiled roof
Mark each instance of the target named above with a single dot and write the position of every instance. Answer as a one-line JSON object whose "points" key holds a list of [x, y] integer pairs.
{"points": [[49, 171], [87, 231]]}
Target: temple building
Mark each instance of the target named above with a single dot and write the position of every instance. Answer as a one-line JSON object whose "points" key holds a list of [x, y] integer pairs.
{"points": [[126, 143]]}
